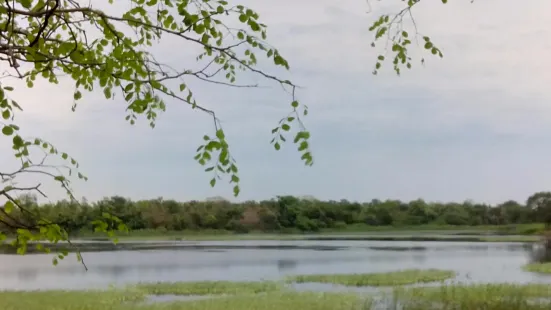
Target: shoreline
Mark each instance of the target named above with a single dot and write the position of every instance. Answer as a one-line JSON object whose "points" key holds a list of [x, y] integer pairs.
{"points": [[132, 244], [499, 233]]}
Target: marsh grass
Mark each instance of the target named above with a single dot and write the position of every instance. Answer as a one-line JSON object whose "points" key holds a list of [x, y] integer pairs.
{"points": [[274, 301], [208, 288], [538, 267], [403, 277], [481, 296], [249, 296], [68, 300], [104, 300]]}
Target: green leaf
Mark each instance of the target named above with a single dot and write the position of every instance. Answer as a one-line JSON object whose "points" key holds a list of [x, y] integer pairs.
{"points": [[212, 182], [294, 104], [303, 146], [254, 25], [107, 92], [243, 18], [55, 261], [277, 146], [220, 9], [8, 207], [26, 3], [22, 249], [17, 141], [220, 134], [285, 127], [199, 29]]}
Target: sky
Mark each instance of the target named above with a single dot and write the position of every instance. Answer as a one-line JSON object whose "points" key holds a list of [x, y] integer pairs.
{"points": [[473, 125]]}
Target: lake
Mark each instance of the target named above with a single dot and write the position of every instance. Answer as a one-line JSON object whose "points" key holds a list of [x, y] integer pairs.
{"points": [[267, 260]]}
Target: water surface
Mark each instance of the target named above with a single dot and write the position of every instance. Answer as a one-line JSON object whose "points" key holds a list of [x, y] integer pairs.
{"points": [[267, 260]]}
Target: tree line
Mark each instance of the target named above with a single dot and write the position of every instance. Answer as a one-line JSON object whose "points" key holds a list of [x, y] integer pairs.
{"points": [[281, 214]]}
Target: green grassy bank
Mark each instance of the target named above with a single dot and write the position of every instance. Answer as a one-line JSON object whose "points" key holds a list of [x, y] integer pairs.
{"points": [[402, 277], [521, 233], [274, 296]]}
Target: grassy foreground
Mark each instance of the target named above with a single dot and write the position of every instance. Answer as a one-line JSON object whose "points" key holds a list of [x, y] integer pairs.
{"points": [[208, 288], [277, 301], [246, 297], [403, 277], [68, 300], [482, 296]]}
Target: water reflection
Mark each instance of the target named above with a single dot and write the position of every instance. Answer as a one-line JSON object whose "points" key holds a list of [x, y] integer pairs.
{"points": [[540, 253], [27, 274], [285, 265], [419, 258]]}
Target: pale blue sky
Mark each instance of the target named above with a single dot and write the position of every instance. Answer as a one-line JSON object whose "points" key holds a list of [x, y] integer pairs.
{"points": [[474, 125]]}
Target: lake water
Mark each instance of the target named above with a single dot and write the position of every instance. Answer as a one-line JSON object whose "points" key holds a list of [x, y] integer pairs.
{"points": [[267, 260]]}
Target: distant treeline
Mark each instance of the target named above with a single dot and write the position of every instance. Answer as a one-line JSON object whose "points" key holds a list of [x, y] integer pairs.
{"points": [[285, 213]]}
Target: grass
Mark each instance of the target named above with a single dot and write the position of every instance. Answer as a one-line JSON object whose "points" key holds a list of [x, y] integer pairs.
{"points": [[367, 236], [526, 238], [208, 288], [428, 238], [403, 277], [481, 296], [538, 267], [530, 230], [451, 297], [512, 229], [274, 301], [67, 300], [106, 300]]}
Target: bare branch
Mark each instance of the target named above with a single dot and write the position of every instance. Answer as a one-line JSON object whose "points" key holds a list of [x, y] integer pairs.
{"points": [[47, 16]]}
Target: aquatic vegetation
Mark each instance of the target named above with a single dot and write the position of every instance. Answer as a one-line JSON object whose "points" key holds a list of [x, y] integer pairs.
{"points": [[67, 300], [208, 287], [274, 301], [538, 267], [105, 300], [480, 296], [246, 297], [403, 277]]}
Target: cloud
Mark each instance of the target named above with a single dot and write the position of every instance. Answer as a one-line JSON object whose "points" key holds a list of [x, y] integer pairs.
{"points": [[471, 125]]}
